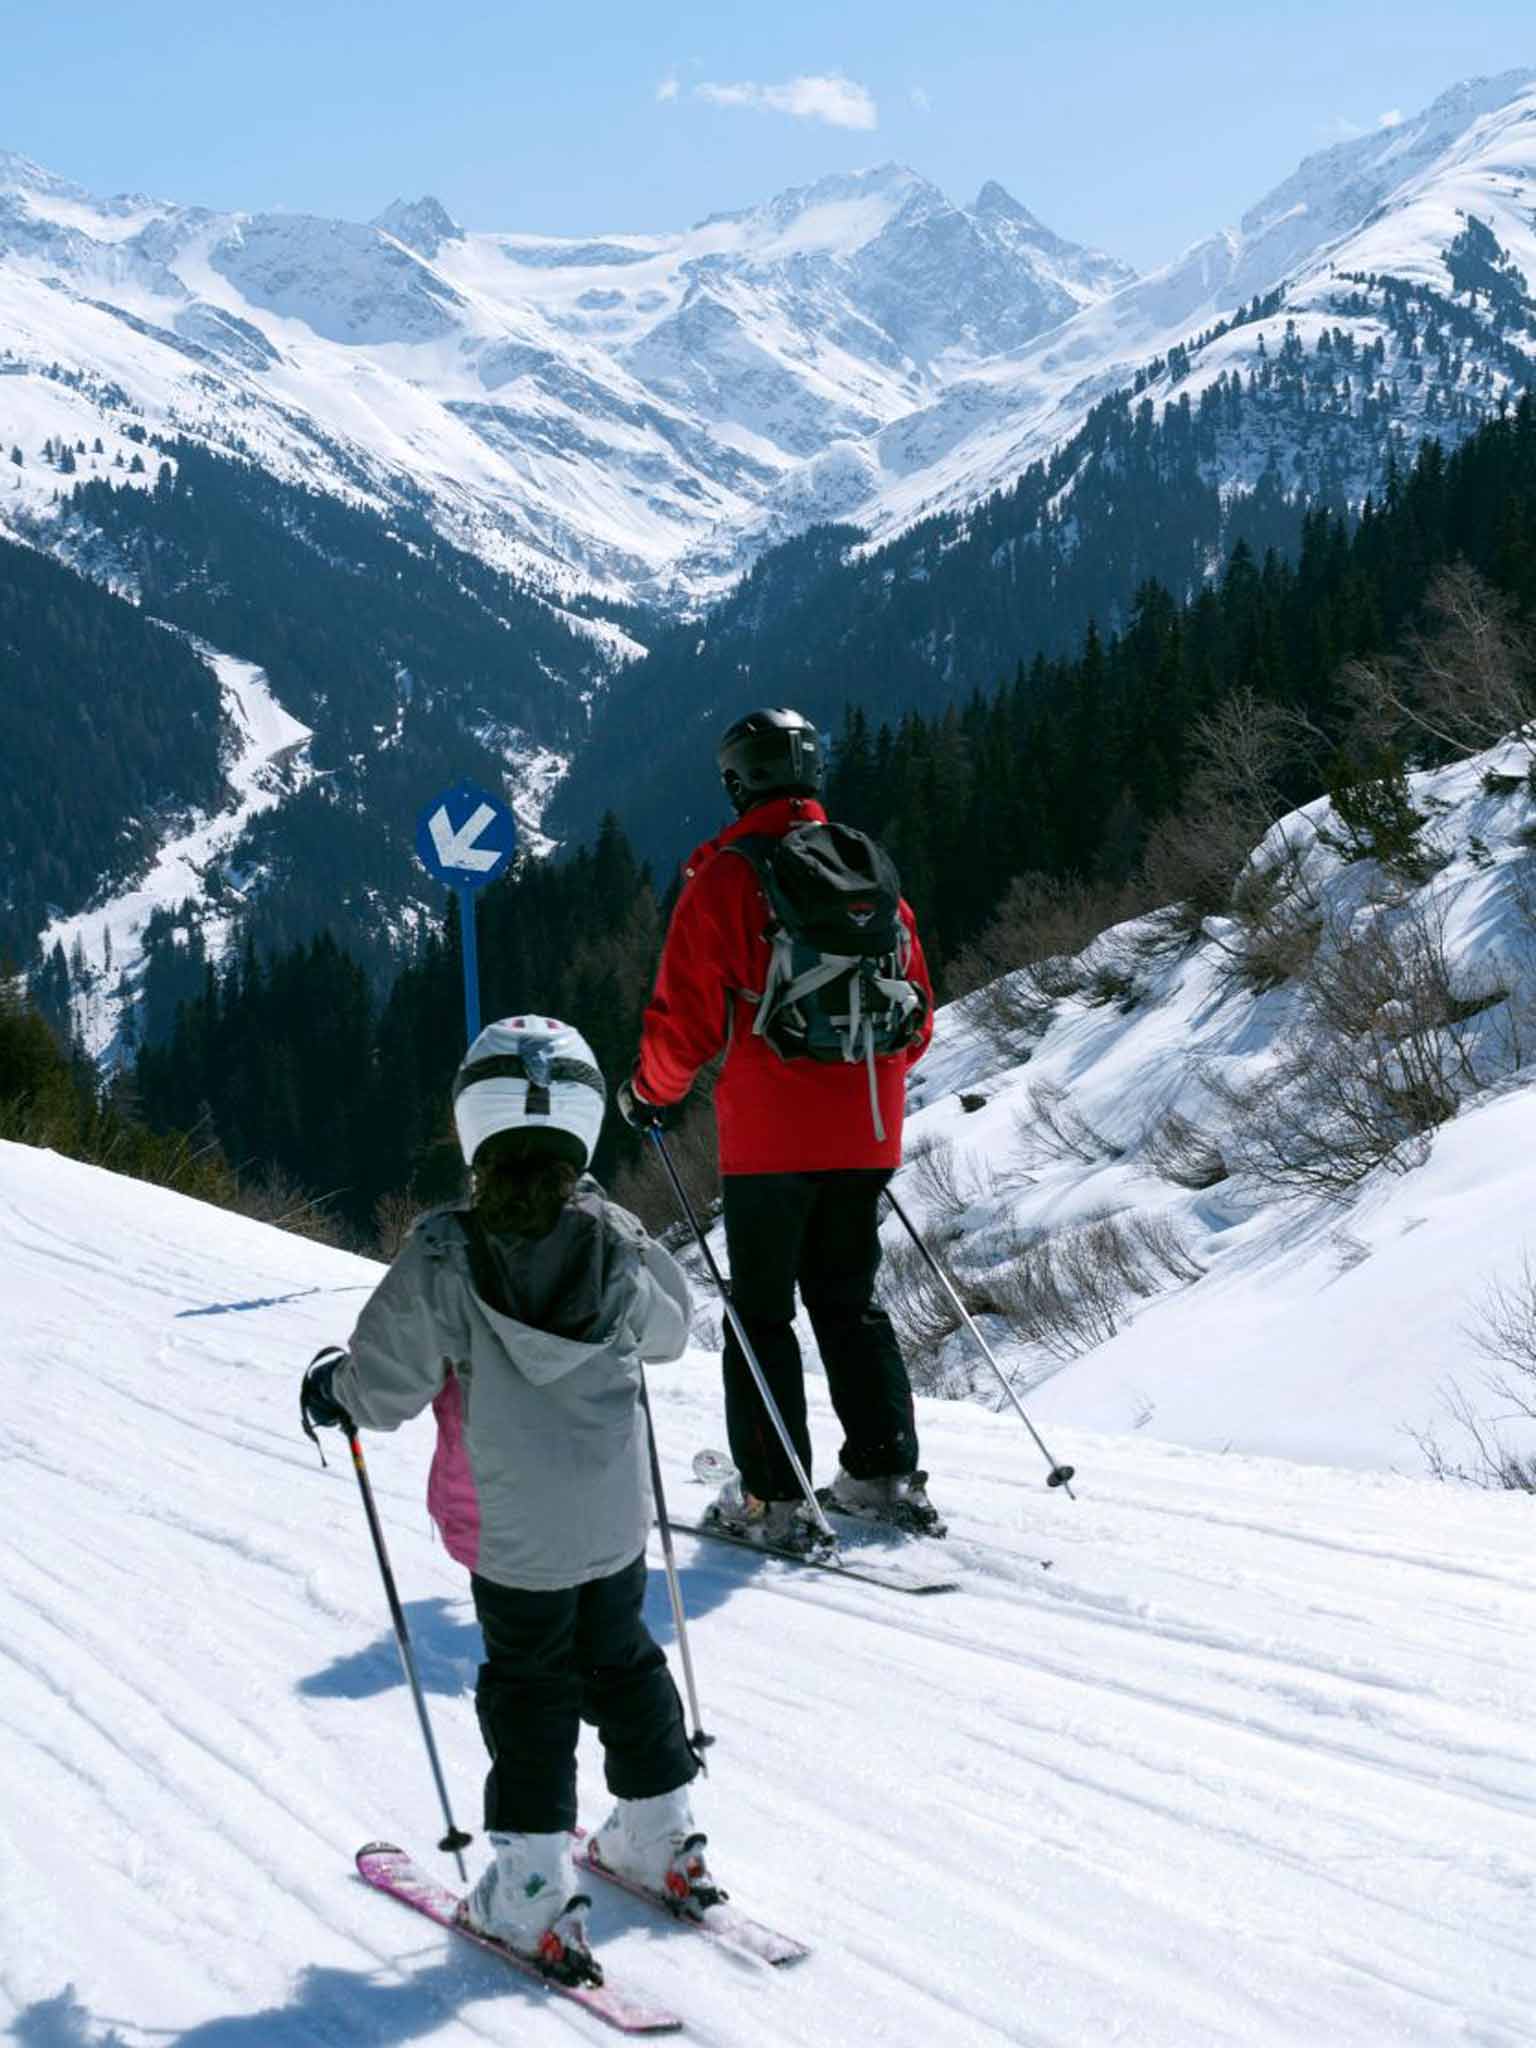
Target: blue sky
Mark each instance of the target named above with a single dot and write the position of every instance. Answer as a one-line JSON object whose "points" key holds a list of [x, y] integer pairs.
{"points": [[1134, 128]]}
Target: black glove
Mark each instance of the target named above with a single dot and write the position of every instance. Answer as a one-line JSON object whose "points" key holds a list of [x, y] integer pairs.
{"points": [[641, 1115], [317, 1405]]}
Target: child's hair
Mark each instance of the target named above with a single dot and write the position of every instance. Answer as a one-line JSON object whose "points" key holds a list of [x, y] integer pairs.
{"points": [[521, 1188]]}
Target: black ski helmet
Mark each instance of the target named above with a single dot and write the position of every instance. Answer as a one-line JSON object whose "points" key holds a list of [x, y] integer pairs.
{"points": [[771, 752]]}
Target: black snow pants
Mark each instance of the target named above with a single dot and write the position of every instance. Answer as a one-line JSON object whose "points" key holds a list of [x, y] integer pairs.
{"points": [[822, 1231], [554, 1660]]}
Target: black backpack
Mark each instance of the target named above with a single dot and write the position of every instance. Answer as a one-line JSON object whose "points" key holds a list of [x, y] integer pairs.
{"points": [[837, 987]]}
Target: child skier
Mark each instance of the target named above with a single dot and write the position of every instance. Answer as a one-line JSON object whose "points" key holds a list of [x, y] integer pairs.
{"points": [[524, 1318]]}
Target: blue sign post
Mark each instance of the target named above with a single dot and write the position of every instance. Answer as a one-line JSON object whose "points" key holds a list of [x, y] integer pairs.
{"points": [[466, 838]]}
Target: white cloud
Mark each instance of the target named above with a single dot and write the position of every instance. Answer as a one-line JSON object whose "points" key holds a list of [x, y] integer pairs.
{"points": [[668, 89], [920, 100], [1342, 129], [840, 102]]}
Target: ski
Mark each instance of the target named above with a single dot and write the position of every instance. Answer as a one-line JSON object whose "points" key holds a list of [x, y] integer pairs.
{"points": [[895, 1578], [397, 1873], [714, 1468], [723, 1923]]}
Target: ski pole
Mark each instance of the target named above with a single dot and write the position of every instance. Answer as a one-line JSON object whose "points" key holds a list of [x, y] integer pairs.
{"points": [[1060, 1475], [823, 1526], [698, 1741], [455, 1840]]}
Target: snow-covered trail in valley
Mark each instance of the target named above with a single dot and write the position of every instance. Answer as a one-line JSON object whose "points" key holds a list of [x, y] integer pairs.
{"points": [[1251, 1761]]}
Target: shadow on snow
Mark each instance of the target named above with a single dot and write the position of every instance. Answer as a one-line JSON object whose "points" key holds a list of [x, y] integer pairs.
{"points": [[327, 2004], [446, 1638]]}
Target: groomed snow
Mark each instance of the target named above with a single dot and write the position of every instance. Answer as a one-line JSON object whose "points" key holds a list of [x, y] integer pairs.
{"points": [[1251, 1762]]}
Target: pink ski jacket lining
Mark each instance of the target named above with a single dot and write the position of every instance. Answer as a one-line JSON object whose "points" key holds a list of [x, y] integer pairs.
{"points": [[452, 1499]]}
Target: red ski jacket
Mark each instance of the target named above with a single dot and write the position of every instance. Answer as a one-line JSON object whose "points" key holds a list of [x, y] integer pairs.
{"points": [[774, 1115]]}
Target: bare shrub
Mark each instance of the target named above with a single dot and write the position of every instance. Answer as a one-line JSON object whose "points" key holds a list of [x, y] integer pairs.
{"points": [[1488, 1462], [1110, 981], [1242, 752], [277, 1199], [1278, 922], [1010, 978], [1048, 1129], [1063, 1291], [1504, 1330], [1067, 1290], [942, 1177], [921, 1312], [394, 1218], [1163, 1242], [1381, 1056], [1181, 1152], [1466, 679], [1189, 863], [644, 1187], [1031, 1296]]}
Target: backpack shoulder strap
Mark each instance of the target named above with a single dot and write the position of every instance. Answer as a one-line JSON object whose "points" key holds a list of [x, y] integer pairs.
{"points": [[756, 849]]}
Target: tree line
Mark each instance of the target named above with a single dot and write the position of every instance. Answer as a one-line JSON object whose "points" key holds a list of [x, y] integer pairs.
{"points": [[1075, 768]]}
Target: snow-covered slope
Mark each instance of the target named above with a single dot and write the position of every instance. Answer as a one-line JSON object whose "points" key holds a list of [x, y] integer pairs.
{"points": [[1282, 1320], [1386, 206], [644, 414], [1252, 1761]]}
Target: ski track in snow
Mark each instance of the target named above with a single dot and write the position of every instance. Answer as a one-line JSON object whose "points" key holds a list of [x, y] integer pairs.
{"points": [[1252, 1762]]}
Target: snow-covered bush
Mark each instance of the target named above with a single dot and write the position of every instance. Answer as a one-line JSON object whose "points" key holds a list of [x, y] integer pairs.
{"points": [[1380, 1052], [1179, 1151], [1048, 1129], [1029, 958]]}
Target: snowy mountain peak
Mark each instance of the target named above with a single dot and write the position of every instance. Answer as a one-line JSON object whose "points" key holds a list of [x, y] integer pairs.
{"points": [[845, 210], [1334, 189], [996, 202], [422, 224], [20, 174]]}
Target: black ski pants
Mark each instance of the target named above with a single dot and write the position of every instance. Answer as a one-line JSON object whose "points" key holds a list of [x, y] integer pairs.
{"points": [[554, 1660], [822, 1231]]}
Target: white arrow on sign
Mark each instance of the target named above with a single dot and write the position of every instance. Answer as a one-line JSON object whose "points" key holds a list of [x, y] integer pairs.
{"points": [[458, 849]]}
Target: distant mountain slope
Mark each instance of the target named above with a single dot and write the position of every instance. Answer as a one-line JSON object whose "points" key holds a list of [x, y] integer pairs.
{"points": [[1396, 206], [406, 662], [1027, 432], [109, 728], [585, 411], [1408, 313]]}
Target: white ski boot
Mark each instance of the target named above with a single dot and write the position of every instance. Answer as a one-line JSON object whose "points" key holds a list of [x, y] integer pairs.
{"points": [[771, 1524], [527, 1898], [653, 1844], [901, 1499]]}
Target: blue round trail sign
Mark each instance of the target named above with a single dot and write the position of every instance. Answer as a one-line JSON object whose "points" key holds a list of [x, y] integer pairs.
{"points": [[465, 837]]}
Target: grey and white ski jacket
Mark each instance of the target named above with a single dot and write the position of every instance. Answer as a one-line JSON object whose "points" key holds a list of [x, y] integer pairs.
{"points": [[541, 1478]]}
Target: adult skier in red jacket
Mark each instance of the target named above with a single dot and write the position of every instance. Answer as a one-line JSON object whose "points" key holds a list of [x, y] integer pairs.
{"points": [[803, 1159]]}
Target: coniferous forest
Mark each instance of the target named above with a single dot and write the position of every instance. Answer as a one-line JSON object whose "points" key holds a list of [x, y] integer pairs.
{"points": [[1062, 769], [137, 741]]}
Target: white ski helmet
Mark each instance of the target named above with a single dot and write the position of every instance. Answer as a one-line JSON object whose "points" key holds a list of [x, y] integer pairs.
{"points": [[530, 1074]]}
